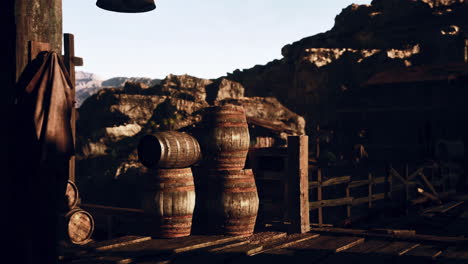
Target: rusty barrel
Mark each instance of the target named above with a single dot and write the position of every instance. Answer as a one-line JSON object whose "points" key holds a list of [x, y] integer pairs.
{"points": [[169, 149], [227, 139], [78, 225], [170, 198], [237, 201], [72, 195]]}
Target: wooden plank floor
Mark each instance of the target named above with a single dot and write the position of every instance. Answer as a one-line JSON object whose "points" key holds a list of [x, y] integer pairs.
{"points": [[267, 247]]}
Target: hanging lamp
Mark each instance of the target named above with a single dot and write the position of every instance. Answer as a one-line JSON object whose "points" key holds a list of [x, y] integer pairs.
{"points": [[127, 6]]}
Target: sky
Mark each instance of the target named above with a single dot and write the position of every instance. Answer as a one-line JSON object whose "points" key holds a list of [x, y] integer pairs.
{"points": [[203, 38]]}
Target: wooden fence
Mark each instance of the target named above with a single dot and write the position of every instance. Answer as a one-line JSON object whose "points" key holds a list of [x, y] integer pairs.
{"points": [[294, 174]]}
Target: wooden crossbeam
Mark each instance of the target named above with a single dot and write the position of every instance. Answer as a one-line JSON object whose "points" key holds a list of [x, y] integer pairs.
{"points": [[330, 182]]}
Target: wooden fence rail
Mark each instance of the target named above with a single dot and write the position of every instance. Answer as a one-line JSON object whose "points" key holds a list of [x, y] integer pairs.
{"points": [[392, 185]]}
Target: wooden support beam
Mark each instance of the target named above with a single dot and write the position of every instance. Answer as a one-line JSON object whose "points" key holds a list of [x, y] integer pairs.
{"points": [[407, 191], [330, 182], [348, 207], [298, 183], [70, 62], [370, 190], [331, 202], [397, 175], [319, 196], [429, 184]]}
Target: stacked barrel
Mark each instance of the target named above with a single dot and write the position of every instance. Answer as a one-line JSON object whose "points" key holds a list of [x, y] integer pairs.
{"points": [[170, 192], [229, 199], [77, 223]]}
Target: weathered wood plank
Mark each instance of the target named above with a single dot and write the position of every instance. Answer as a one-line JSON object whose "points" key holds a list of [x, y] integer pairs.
{"points": [[298, 183], [356, 254], [162, 247], [444, 207], [396, 232], [314, 250], [359, 183], [117, 242], [396, 248], [415, 238], [424, 252], [251, 250], [331, 202], [257, 246], [330, 182], [453, 255]]}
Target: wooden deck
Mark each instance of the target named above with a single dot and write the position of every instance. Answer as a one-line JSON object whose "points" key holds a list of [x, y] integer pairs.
{"points": [[321, 245]]}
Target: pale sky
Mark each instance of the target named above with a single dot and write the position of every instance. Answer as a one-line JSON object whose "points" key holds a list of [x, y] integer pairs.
{"points": [[203, 38]]}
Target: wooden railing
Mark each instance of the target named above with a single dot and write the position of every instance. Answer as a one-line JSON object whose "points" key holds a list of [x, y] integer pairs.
{"points": [[289, 178]]}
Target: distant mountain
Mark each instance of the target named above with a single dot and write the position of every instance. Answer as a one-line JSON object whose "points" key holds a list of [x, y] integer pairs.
{"points": [[88, 84]]}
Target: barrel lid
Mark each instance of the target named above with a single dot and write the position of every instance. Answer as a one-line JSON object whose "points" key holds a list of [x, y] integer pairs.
{"points": [[149, 151], [227, 107], [80, 226]]}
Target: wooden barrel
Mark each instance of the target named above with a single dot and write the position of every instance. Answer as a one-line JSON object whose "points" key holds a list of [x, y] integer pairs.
{"points": [[237, 201], [227, 140], [79, 226], [72, 195], [170, 198], [169, 149]]}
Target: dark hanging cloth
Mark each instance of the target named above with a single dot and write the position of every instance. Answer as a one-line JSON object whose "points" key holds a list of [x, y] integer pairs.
{"points": [[43, 146]]}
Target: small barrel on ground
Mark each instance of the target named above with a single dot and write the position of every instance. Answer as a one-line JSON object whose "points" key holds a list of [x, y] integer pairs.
{"points": [[78, 226]]}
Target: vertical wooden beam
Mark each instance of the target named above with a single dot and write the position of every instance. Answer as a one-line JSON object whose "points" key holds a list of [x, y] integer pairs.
{"points": [[371, 183], [298, 183], [319, 196], [69, 44], [348, 206], [407, 191], [319, 177]]}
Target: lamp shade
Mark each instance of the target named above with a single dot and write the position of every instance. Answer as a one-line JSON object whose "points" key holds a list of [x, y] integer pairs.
{"points": [[127, 6]]}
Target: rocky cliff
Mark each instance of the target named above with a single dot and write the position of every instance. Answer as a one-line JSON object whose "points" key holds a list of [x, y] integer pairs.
{"points": [[316, 71]]}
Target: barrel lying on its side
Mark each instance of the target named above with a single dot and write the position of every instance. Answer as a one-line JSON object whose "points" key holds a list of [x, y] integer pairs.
{"points": [[169, 149], [170, 198]]}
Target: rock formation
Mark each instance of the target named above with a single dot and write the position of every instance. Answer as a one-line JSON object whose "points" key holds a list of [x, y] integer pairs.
{"points": [[316, 71]]}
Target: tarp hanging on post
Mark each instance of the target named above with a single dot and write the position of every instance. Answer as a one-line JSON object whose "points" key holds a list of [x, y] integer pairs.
{"points": [[47, 100]]}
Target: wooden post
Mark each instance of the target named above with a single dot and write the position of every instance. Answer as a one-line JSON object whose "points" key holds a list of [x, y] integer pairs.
{"points": [[70, 62], [407, 198], [348, 206], [69, 43], [319, 196], [371, 182], [298, 183], [319, 177]]}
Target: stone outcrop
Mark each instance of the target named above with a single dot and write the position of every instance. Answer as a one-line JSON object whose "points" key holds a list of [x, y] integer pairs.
{"points": [[316, 71]]}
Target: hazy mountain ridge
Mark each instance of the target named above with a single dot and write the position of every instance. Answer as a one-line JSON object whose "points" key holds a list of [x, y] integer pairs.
{"points": [[88, 84]]}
